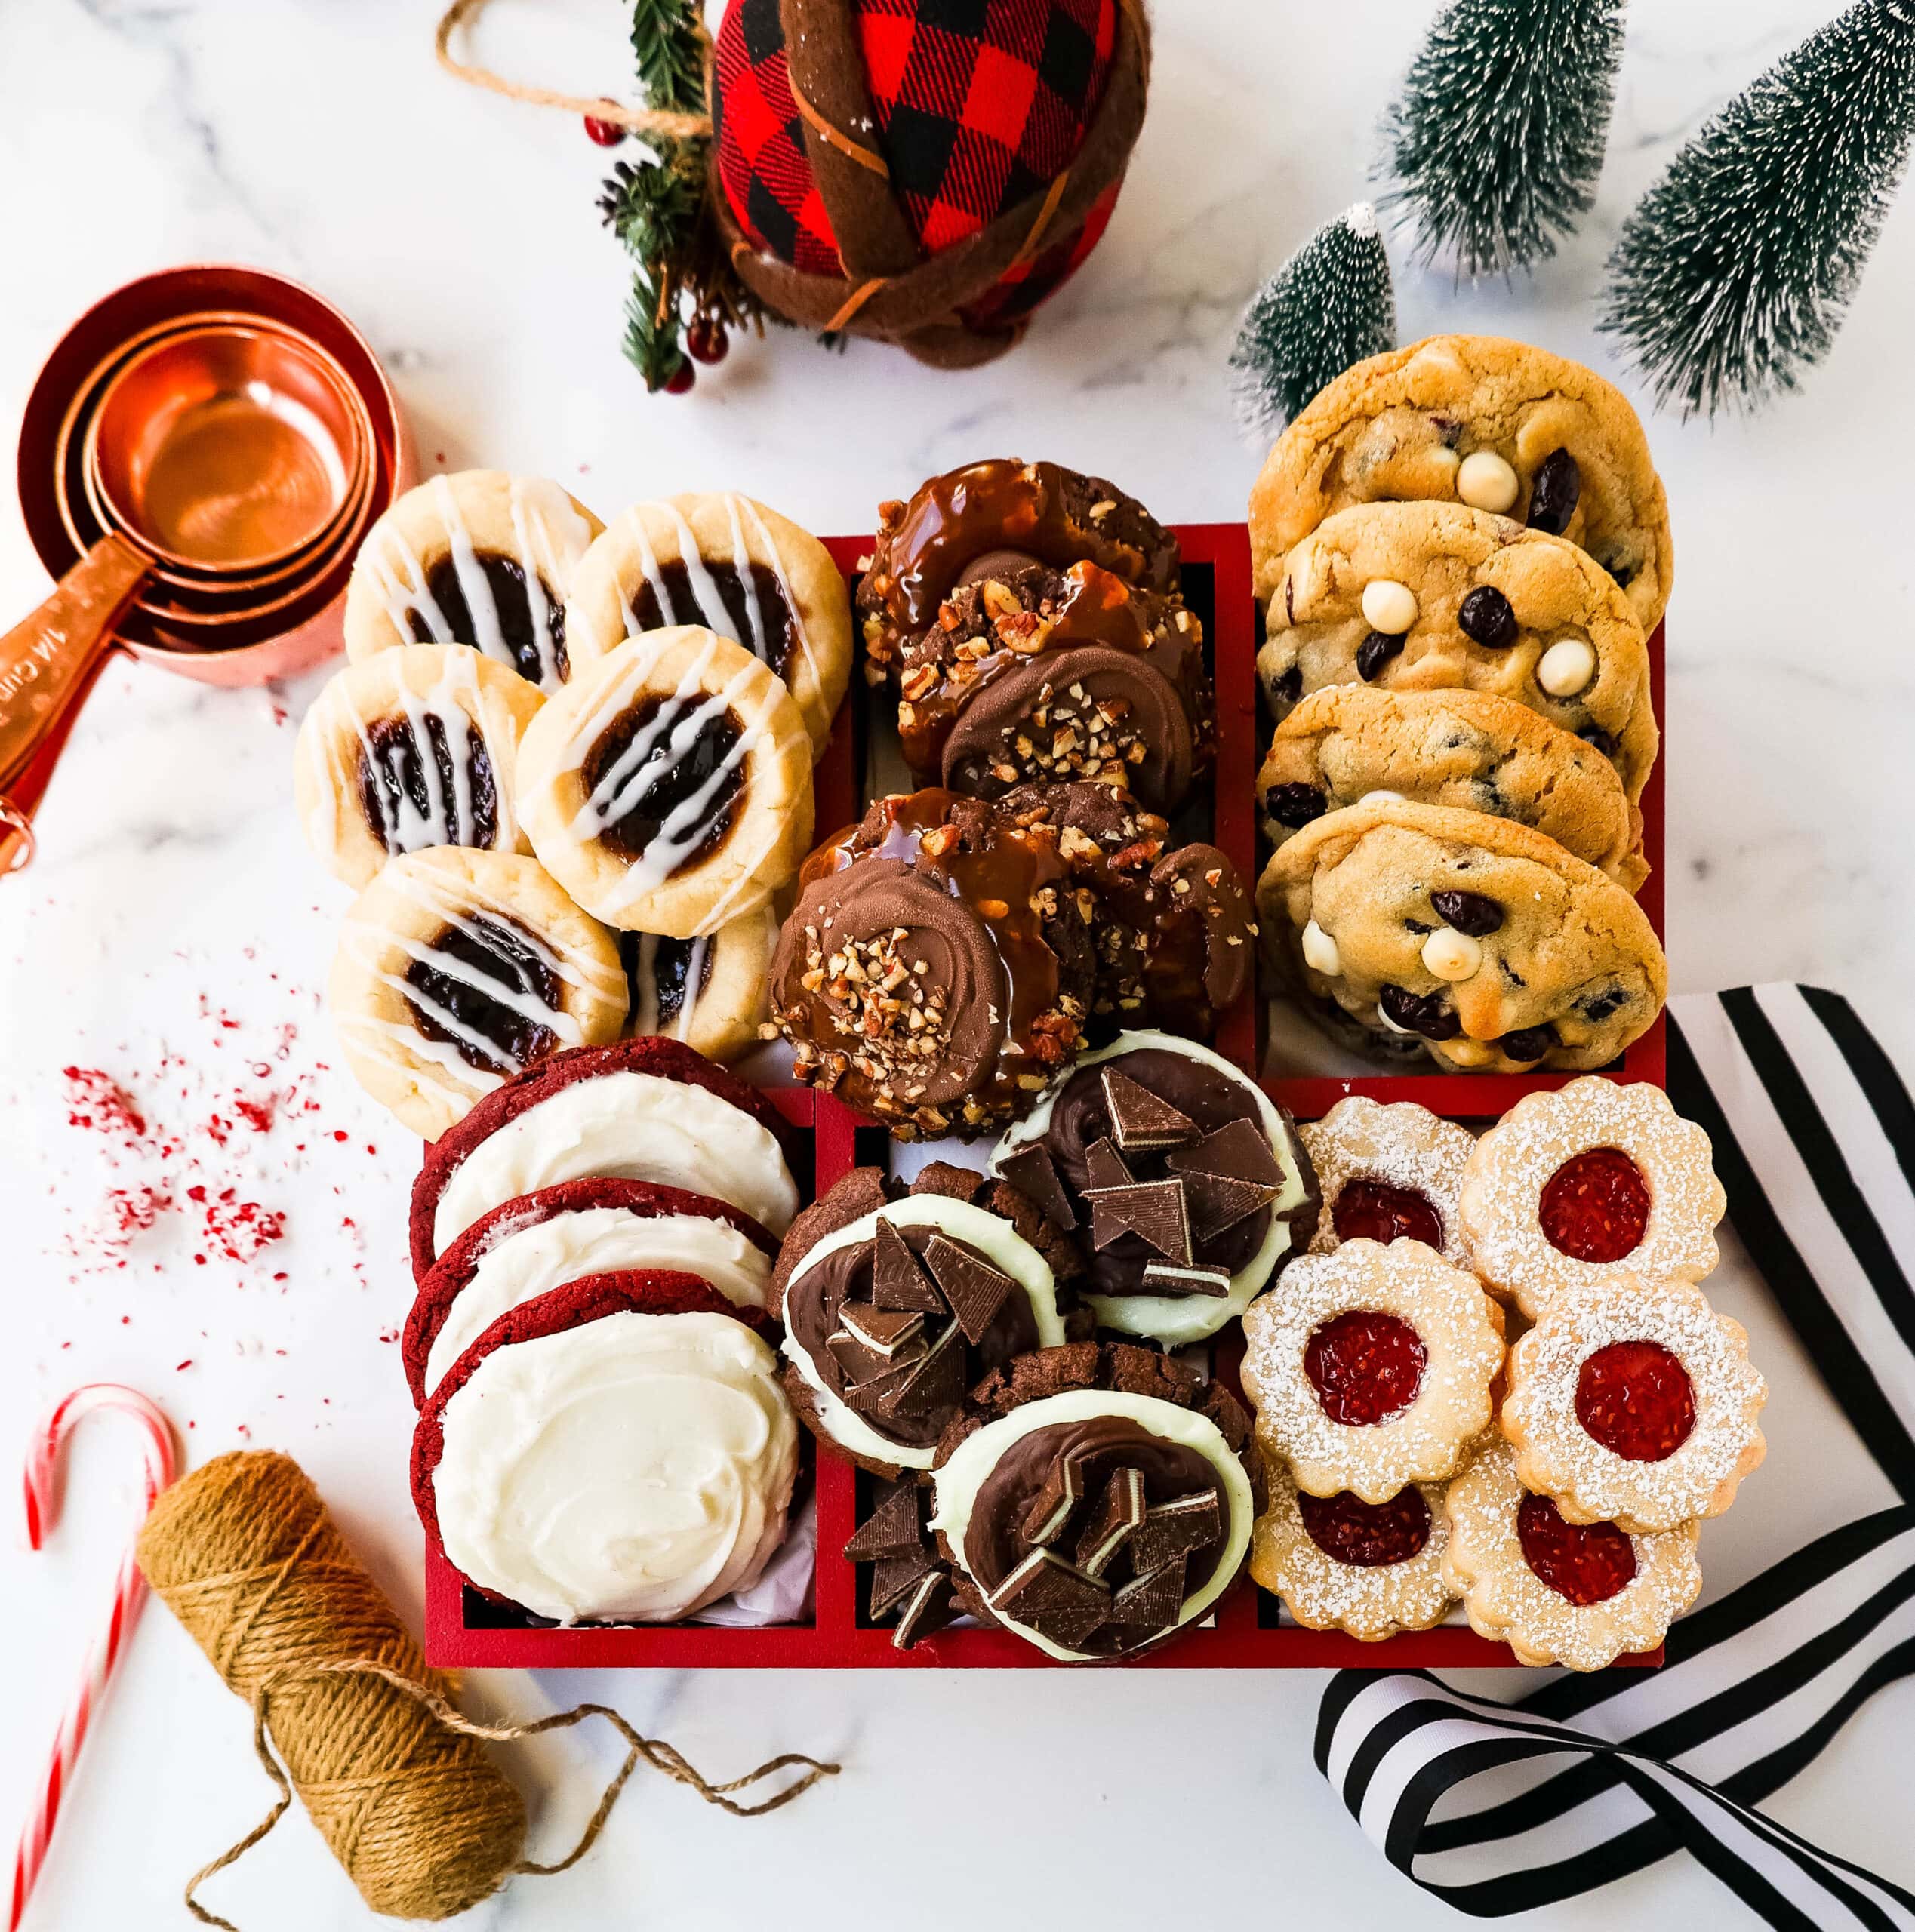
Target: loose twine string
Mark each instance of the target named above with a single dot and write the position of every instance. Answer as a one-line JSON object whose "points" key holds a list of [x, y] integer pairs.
{"points": [[345, 1713]]}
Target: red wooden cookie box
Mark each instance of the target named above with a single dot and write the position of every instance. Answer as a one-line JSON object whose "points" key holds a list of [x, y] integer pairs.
{"points": [[462, 1631]]}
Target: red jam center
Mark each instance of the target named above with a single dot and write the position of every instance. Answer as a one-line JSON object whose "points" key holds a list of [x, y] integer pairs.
{"points": [[1635, 1398], [1595, 1206], [1586, 1564], [1374, 1210], [1366, 1535], [1364, 1366]]}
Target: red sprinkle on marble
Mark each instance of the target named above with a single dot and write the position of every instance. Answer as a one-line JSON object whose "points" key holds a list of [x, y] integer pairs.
{"points": [[1636, 1399], [1583, 1563], [1366, 1535], [1369, 1210], [1596, 1206], [1366, 1366]]}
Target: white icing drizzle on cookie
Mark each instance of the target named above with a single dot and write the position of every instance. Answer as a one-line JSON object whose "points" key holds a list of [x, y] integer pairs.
{"points": [[1400, 1144], [645, 1013]]}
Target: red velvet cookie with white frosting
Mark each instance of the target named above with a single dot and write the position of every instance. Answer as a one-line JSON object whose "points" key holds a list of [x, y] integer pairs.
{"points": [[646, 1109], [1371, 1367], [1573, 1184], [1388, 1173], [1633, 1402], [595, 1227], [1557, 1591]]}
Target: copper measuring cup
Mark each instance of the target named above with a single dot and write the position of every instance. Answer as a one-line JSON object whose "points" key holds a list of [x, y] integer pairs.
{"points": [[48, 663]]}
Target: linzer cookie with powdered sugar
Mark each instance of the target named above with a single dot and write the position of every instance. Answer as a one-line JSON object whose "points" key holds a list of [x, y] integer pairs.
{"points": [[479, 558], [457, 969], [1389, 1173], [559, 1234], [895, 1304], [708, 992], [1095, 1499], [668, 787], [989, 518], [1183, 1187], [647, 1110], [731, 565]]}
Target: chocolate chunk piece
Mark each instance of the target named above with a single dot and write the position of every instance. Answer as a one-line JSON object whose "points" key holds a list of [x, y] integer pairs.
{"points": [[1105, 1166], [883, 1331], [877, 1395], [929, 1606], [1051, 1508], [1141, 1120], [1033, 1174], [1054, 1598], [1165, 1278], [897, 1281], [972, 1288], [1154, 1210], [1228, 1176], [893, 1578], [1152, 1600], [937, 1380], [892, 1529], [861, 1364], [1118, 1512], [1174, 1529]]}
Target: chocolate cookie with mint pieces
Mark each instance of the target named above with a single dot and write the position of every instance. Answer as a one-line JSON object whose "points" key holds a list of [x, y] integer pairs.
{"points": [[1182, 1185]]}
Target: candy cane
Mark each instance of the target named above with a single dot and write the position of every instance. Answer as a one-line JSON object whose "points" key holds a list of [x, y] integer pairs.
{"points": [[129, 1593]]}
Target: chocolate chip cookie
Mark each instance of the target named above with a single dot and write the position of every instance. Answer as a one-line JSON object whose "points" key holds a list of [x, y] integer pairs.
{"points": [[1494, 948], [1491, 424], [1436, 596], [1470, 750]]}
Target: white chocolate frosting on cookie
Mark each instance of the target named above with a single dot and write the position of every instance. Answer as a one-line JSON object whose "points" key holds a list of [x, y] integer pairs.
{"points": [[635, 1468]]}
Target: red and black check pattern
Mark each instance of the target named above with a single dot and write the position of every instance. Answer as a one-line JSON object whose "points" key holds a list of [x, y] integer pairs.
{"points": [[979, 103]]}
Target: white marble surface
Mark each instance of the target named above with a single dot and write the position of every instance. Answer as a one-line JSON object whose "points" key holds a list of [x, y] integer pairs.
{"points": [[315, 136]]}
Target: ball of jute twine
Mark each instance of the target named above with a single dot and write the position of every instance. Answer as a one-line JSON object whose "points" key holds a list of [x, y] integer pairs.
{"points": [[243, 1552]]}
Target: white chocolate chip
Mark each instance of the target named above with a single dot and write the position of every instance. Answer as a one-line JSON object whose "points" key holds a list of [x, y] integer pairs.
{"points": [[1487, 482], [1388, 606], [1566, 667], [1320, 952], [1382, 795], [1450, 955]]}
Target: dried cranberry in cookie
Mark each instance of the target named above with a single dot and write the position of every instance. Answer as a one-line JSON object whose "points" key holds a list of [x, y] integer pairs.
{"points": [[617, 1451], [408, 750], [647, 1109], [1488, 943], [1597, 1177], [1632, 1401], [1495, 425], [457, 969], [1095, 1501], [989, 518], [560, 1234], [1554, 1591], [668, 787], [933, 972], [1181, 1184], [1036, 674], [728, 564], [1388, 1173], [479, 558], [1339, 1563], [710, 992], [1371, 1367], [894, 1308]]}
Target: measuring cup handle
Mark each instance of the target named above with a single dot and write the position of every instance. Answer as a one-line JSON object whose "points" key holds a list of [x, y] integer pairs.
{"points": [[47, 663]]}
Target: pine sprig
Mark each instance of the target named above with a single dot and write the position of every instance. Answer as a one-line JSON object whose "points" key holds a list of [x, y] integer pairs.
{"points": [[1496, 142], [1329, 305], [1731, 276], [668, 43]]}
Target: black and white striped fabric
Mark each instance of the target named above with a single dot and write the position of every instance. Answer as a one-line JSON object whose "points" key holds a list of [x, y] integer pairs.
{"points": [[1500, 1808]]}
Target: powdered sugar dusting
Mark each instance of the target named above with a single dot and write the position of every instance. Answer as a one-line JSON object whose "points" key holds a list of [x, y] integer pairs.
{"points": [[1403, 1144]]}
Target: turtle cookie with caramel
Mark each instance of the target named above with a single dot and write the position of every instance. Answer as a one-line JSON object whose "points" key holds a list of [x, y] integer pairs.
{"points": [[895, 1304], [933, 972], [993, 517], [1037, 673]]}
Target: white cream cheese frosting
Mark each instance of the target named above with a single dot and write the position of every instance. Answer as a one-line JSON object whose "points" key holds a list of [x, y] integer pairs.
{"points": [[624, 1126], [529, 1259], [632, 1469]]}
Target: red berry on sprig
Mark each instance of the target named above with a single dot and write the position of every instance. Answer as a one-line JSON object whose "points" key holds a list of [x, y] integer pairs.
{"points": [[681, 379], [705, 340], [607, 134]]}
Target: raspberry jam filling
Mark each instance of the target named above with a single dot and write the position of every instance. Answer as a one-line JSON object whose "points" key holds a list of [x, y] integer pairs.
{"points": [[1374, 1210], [1366, 1366], [1366, 1535], [1585, 1565], [1635, 1398], [1596, 1206]]}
